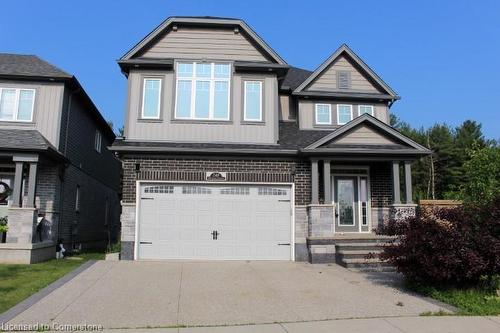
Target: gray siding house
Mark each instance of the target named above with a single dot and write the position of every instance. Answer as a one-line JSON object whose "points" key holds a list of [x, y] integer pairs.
{"points": [[58, 180], [231, 153]]}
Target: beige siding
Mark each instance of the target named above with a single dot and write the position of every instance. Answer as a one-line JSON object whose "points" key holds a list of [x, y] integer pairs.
{"points": [[204, 43], [327, 81], [46, 112], [234, 131], [307, 120], [287, 108], [366, 135]]}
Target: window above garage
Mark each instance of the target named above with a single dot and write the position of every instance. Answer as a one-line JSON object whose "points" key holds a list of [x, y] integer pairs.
{"points": [[202, 90]]}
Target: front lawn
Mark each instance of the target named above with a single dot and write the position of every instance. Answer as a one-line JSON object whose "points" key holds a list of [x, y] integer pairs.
{"points": [[18, 282], [470, 302]]}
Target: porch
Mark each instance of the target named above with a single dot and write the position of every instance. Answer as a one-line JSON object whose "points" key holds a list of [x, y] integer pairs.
{"points": [[28, 203], [349, 199]]}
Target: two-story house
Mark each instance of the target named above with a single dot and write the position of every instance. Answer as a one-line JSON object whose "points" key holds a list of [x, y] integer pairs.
{"points": [[58, 180], [231, 153]]}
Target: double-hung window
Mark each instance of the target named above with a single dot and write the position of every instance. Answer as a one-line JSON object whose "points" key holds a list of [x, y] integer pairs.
{"points": [[151, 98], [323, 114], [344, 114], [16, 104], [202, 91], [362, 109], [253, 101]]}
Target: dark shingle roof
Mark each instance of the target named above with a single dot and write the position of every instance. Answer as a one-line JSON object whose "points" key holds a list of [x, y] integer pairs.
{"points": [[295, 77], [23, 139], [28, 65], [291, 138]]}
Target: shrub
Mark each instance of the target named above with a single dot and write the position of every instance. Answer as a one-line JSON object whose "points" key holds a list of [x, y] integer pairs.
{"points": [[3, 224], [457, 246]]}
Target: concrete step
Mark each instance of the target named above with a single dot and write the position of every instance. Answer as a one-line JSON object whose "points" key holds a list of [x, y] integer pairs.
{"points": [[366, 265], [358, 254], [359, 246], [372, 239]]}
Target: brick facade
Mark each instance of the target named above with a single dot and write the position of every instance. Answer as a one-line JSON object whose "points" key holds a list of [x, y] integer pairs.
{"points": [[296, 171]]}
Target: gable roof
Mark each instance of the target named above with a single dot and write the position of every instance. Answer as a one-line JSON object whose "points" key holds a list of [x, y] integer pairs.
{"points": [[203, 21], [379, 125], [29, 66], [357, 60]]}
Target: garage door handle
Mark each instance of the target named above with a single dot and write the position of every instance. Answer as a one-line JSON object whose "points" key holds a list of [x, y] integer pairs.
{"points": [[146, 242], [282, 244], [283, 200]]}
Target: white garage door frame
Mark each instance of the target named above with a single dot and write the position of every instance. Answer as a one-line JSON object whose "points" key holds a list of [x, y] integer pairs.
{"points": [[138, 207]]}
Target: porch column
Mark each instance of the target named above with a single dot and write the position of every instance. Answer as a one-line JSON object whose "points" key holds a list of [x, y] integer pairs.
{"points": [[327, 182], [18, 182], [408, 187], [395, 182], [314, 182], [32, 185]]}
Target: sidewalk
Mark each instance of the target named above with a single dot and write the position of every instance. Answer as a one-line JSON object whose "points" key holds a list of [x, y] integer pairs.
{"points": [[431, 324]]}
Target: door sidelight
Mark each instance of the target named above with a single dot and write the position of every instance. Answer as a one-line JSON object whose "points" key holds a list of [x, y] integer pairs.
{"points": [[215, 234]]}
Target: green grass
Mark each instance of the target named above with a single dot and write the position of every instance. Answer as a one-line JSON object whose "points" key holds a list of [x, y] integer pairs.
{"points": [[17, 282], [470, 302]]}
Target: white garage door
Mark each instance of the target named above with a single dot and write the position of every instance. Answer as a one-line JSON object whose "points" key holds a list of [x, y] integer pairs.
{"points": [[209, 221]]}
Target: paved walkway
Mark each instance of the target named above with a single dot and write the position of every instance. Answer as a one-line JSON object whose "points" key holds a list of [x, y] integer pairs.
{"points": [[172, 294]]}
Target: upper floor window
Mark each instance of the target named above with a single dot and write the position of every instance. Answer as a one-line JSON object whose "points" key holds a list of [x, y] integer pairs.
{"points": [[323, 114], [365, 109], [16, 104], [253, 101], [151, 97], [202, 91], [98, 141], [344, 114]]}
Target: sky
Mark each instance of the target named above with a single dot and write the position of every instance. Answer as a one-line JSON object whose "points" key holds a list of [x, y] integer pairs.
{"points": [[441, 57]]}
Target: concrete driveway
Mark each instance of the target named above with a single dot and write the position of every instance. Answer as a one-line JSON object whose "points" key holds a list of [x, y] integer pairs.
{"points": [[165, 294]]}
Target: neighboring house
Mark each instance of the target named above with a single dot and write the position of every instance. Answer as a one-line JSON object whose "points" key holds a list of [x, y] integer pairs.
{"points": [[54, 161], [231, 153]]}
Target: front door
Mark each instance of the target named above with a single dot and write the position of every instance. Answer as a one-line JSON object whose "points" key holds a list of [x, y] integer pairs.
{"points": [[346, 204]]}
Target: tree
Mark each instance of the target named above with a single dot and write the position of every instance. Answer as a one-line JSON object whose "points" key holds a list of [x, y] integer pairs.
{"points": [[482, 168]]}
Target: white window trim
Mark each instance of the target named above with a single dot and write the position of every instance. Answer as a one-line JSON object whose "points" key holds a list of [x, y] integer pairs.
{"points": [[211, 79], [245, 101], [16, 104], [329, 114], [98, 141], [144, 97], [367, 106], [338, 113]]}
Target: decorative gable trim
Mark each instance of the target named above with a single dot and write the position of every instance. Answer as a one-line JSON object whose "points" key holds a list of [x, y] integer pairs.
{"points": [[366, 118], [171, 21], [362, 65]]}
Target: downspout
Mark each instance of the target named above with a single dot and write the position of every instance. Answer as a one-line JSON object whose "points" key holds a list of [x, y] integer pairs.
{"points": [[61, 176]]}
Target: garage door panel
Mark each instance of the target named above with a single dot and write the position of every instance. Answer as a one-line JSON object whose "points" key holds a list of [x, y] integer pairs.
{"points": [[251, 220]]}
